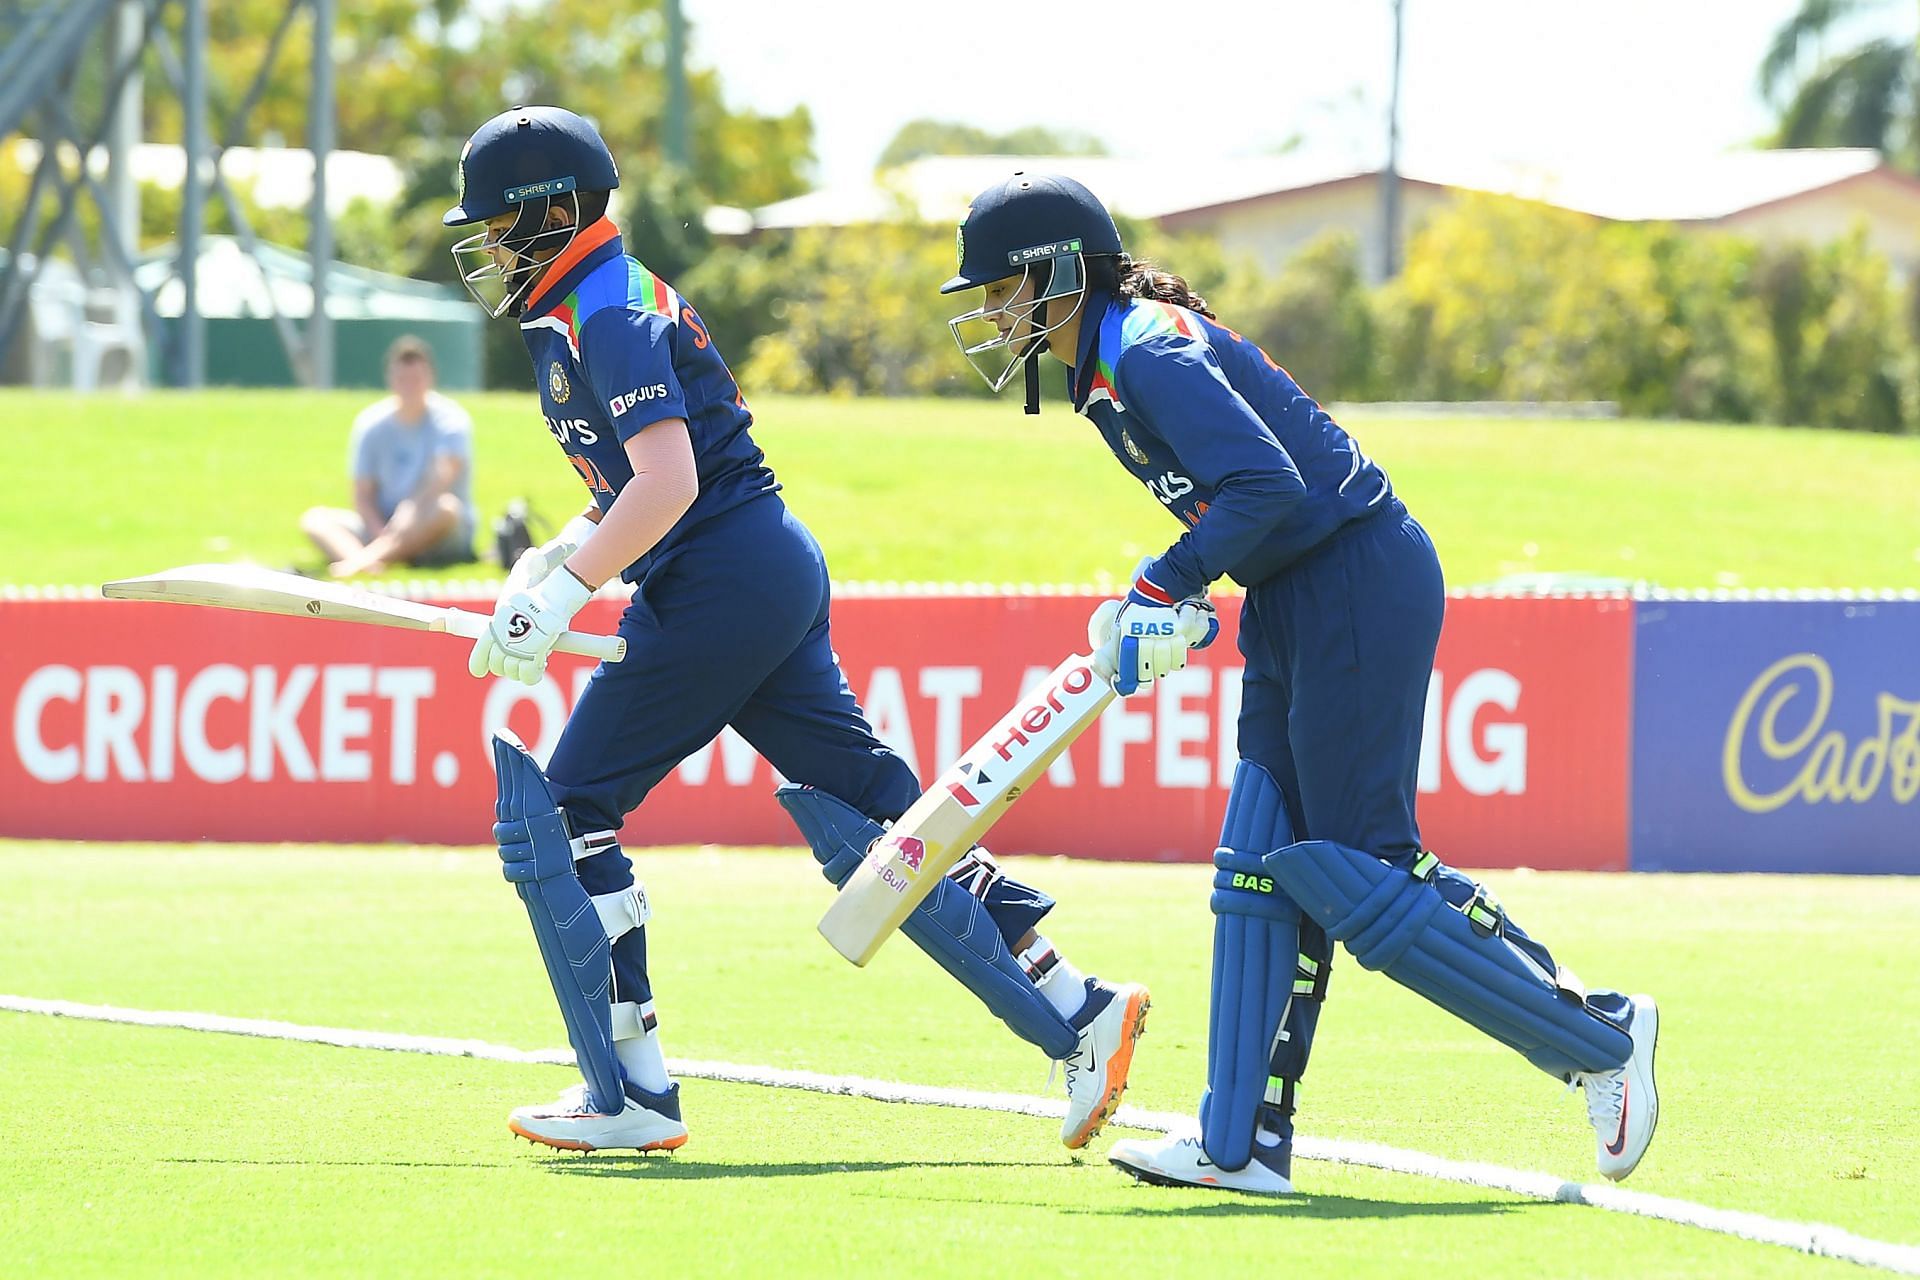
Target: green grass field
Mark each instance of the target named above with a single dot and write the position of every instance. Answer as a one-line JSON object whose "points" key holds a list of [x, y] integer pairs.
{"points": [[928, 490], [1785, 1065]]}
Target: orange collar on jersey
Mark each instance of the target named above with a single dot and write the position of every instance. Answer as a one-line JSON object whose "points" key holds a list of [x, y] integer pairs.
{"points": [[596, 234]]}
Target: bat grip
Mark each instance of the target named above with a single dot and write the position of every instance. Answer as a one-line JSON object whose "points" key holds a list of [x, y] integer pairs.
{"points": [[590, 644], [587, 644], [1127, 678]]}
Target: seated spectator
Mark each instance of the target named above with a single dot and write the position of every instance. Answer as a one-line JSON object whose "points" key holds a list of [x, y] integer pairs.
{"points": [[411, 461]]}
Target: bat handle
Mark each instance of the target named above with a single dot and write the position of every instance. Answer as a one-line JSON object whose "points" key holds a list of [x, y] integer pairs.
{"points": [[1127, 678], [587, 644]]}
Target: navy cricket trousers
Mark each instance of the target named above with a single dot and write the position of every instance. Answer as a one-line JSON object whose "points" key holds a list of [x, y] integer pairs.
{"points": [[731, 628], [1339, 648]]}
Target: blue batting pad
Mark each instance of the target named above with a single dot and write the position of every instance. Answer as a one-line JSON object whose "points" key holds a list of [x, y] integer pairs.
{"points": [[1256, 959], [537, 859], [952, 925], [1457, 954]]}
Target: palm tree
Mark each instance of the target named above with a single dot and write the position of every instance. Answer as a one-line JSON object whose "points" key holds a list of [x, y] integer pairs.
{"points": [[1867, 95]]}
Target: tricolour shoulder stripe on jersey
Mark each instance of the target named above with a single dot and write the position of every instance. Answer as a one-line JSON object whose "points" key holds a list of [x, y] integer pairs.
{"points": [[1106, 350], [1146, 319], [654, 294], [563, 320], [1122, 327]]}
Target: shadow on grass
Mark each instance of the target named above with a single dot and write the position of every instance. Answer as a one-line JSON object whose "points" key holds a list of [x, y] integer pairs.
{"points": [[602, 1164], [340, 1164], [1244, 1205], [679, 1168]]}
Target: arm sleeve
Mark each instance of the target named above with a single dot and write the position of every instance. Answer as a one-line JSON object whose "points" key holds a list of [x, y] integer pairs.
{"points": [[629, 361], [1178, 387]]}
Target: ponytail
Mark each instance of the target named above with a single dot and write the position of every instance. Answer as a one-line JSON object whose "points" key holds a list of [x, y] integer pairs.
{"points": [[1132, 279]]}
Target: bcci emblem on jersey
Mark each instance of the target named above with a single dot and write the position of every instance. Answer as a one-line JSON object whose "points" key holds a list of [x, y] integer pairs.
{"points": [[557, 383], [1134, 451]]}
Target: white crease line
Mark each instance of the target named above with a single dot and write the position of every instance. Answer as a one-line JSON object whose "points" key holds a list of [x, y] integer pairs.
{"points": [[1814, 1238]]}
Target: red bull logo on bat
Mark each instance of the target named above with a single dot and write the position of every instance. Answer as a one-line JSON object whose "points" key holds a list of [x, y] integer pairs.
{"points": [[911, 851]]}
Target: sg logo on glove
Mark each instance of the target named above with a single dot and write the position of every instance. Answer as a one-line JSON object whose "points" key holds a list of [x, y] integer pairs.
{"points": [[518, 626]]}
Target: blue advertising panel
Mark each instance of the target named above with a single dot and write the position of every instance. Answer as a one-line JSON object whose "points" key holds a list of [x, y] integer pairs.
{"points": [[1777, 735]]}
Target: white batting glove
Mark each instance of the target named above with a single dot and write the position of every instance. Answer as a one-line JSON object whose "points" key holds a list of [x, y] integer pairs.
{"points": [[525, 626], [535, 563], [1137, 640]]}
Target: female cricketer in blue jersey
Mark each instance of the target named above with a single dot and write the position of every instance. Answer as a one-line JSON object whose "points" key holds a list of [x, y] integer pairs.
{"points": [[1338, 631], [727, 626]]}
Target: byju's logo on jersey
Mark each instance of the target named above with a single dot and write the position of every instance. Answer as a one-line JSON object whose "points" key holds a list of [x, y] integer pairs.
{"points": [[1170, 487], [639, 395], [557, 385]]}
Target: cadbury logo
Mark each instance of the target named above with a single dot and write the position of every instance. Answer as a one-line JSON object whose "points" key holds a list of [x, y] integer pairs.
{"points": [[1821, 764]]}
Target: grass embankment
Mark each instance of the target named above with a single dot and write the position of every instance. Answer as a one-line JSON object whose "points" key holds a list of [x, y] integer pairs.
{"points": [[957, 491]]}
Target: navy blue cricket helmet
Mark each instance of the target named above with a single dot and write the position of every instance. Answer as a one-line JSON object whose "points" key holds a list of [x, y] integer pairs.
{"points": [[521, 162], [1039, 227], [1025, 219]]}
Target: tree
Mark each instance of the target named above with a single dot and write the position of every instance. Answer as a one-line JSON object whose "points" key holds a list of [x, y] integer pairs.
{"points": [[918, 138], [417, 73], [417, 76], [1862, 96]]}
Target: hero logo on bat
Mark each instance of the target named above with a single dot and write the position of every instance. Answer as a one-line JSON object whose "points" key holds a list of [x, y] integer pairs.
{"points": [[1039, 710]]}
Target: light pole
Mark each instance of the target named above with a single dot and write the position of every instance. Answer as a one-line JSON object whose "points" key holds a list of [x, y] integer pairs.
{"points": [[678, 148], [1390, 175]]}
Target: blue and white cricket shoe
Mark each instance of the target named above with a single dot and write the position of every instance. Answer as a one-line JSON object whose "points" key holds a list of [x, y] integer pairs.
{"points": [[1622, 1105], [649, 1122], [1183, 1162], [1109, 1022]]}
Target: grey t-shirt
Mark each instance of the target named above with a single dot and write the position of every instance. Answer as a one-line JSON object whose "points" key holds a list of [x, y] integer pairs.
{"points": [[395, 454]]}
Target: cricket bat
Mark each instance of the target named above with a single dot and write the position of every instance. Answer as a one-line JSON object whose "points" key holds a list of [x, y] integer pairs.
{"points": [[904, 865], [255, 590]]}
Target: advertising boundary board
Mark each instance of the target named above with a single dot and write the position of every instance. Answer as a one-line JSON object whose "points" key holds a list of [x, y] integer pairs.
{"points": [[1777, 735], [1564, 732], [127, 720]]}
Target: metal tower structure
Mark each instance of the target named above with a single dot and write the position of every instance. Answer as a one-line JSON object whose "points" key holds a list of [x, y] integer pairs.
{"points": [[72, 76]]}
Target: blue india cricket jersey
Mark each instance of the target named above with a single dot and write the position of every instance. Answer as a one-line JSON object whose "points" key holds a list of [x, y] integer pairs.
{"points": [[1223, 437], [616, 349]]}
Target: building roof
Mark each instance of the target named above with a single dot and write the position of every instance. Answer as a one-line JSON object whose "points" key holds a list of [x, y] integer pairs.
{"points": [[278, 177], [1656, 189], [232, 284], [1686, 188]]}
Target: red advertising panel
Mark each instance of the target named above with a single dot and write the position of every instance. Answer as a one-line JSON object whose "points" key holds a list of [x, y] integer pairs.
{"points": [[147, 721], [1524, 761]]}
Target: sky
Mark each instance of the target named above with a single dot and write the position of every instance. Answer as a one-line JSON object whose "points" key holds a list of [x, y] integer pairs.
{"points": [[1542, 83]]}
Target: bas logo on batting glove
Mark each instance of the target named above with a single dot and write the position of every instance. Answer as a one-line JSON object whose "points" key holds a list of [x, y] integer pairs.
{"points": [[1141, 638]]}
